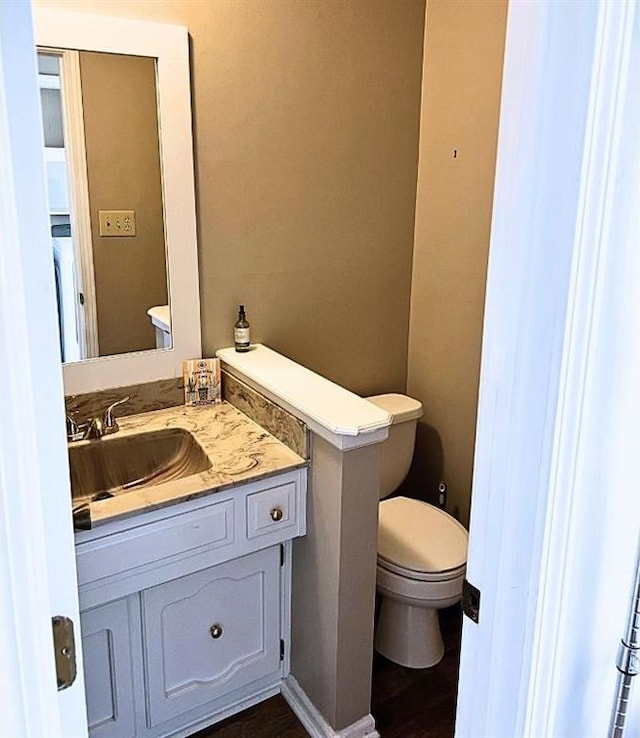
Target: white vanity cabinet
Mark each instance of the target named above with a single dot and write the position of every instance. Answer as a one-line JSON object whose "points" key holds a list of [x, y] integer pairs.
{"points": [[185, 609], [211, 632], [108, 669]]}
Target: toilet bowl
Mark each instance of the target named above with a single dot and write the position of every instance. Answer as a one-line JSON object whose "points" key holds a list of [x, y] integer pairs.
{"points": [[422, 552]]}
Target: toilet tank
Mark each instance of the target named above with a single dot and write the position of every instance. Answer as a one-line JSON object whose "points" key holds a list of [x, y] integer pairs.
{"points": [[397, 451]]}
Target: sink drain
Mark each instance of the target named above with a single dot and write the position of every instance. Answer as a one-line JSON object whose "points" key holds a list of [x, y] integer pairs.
{"points": [[102, 496]]}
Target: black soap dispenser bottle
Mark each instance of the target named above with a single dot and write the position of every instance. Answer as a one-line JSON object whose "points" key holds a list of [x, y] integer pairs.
{"points": [[242, 331]]}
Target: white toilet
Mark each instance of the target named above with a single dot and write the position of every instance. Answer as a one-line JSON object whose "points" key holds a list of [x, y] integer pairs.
{"points": [[422, 551]]}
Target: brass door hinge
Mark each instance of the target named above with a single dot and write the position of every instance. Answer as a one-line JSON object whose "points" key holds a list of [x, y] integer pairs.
{"points": [[64, 647]]}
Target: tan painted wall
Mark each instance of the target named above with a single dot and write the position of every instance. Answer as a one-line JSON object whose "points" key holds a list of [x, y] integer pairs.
{"points": [[123, 168], [306, 122], [306, 140], [464, 44]]}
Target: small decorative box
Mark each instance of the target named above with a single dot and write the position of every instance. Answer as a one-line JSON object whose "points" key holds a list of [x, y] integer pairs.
{"points": [[201, 381]]}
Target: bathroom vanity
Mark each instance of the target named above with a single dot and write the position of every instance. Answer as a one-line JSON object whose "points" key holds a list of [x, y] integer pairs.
{"points": [[184, 588], [185, 585]]}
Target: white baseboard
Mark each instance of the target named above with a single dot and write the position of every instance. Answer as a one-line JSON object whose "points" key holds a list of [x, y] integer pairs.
{"points": [[314, 723]]}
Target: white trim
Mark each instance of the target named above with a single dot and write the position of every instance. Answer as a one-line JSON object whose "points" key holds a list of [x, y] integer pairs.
{"points": [[37, 557], [603, 232], [314, 723], [169, 45], [342, 418]]}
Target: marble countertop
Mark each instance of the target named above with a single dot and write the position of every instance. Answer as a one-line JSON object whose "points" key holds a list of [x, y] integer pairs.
{"points": [[239, 451]]}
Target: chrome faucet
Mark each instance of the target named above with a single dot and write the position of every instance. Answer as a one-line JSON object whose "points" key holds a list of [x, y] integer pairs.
{"points": [[96, 427], [109, 423], [75, 431]]}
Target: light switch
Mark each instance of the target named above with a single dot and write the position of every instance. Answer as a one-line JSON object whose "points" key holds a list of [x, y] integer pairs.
{"points": [[117, 222]]}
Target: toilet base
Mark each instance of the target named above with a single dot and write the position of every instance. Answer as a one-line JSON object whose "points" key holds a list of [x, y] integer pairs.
{"points": [[408, 635]]}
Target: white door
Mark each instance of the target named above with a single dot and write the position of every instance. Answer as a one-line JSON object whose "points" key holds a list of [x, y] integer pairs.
{"points": [[555, 518], [37, 562]]}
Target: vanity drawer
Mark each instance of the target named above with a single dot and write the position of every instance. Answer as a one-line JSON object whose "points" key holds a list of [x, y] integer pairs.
{"points": [[188, 534], [273, 511]]}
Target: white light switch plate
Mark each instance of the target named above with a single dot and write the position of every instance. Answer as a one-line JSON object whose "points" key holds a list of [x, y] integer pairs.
{"points": [[117, 222]]}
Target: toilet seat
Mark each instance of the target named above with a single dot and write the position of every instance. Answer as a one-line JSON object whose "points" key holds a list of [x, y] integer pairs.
{"points": [[420, 576], [420, 541]]}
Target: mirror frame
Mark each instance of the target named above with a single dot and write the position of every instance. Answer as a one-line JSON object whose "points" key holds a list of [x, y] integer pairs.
{"points": [[169, 45]]}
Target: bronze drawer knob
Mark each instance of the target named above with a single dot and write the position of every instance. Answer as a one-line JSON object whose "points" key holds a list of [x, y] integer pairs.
{"points": [[276, 514]]}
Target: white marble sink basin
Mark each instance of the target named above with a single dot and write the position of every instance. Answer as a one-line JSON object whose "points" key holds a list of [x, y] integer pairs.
{"points": [[117, 464]]}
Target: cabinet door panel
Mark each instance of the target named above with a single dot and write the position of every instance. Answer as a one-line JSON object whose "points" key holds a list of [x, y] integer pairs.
{"points": [[107, 670], [210, 632]]}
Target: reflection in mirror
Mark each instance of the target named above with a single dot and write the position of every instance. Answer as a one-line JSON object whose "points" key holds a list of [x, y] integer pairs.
{"points": [[165, 48], [102, 157]]}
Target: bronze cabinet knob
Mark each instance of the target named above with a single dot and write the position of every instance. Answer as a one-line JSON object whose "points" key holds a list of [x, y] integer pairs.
{"points": [[215, 630], [276, 514]]}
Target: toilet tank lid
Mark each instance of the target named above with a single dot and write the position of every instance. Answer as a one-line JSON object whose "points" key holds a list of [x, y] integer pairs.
{"points": [[400, 407]]}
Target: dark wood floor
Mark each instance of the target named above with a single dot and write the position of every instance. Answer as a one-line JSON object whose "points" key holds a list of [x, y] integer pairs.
{"points": [[419, 703], [406, 703]]}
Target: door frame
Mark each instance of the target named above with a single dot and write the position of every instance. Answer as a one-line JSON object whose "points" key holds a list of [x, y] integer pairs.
{"points": [[523, 356], [74, 142], [75, 157], [38, 571]]}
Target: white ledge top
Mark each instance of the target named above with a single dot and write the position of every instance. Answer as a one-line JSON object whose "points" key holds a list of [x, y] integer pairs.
{"points": [[323, 405]]}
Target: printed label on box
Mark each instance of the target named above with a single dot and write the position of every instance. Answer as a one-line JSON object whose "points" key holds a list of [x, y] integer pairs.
{"points": [[201, 381]]}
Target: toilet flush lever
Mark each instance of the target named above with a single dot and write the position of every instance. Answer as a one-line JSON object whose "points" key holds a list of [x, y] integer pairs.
{"points": [[471, 601]]}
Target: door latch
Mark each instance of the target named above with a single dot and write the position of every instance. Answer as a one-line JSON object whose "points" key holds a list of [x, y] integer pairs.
{"points": [[471, 601], [64, 647]]}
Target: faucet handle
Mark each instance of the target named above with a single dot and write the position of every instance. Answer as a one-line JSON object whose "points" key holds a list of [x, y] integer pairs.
{"points": [[95, 429], [75, 431], [109, 423]]}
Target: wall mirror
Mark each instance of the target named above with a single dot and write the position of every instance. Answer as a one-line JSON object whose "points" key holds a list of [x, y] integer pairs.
{"points": [[118, 152]]}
